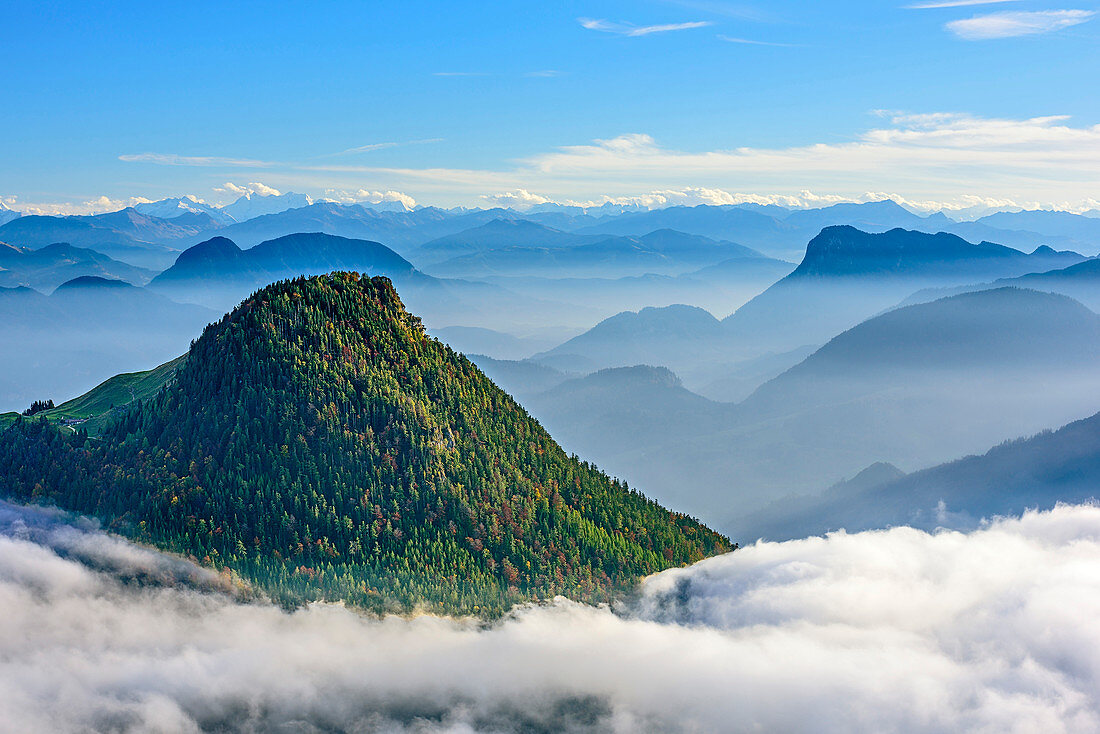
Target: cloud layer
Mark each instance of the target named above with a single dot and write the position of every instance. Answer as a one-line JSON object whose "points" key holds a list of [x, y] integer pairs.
{"points": [[894, 631], [1011, 24]]}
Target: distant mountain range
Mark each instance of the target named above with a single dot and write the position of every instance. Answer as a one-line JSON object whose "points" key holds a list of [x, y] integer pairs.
{"points": [[89, 328], [662, 252], [126, 235], [217, 273], [1032, 473], [1080, 281], [913, 387], [848, 275], [253, 218], [845, 277], [48, 267]]}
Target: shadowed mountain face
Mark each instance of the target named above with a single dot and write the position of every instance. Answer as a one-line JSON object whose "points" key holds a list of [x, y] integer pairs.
{"points": [[48, 267], [912, 387], [1033, 473], [89, 329], [323, 447]]}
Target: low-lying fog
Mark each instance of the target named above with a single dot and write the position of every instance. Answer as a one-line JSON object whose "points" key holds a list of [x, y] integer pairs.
{"points": [[889, 631]]}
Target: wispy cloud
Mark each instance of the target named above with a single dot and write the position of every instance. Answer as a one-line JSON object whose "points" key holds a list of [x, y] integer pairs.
{"points": [[955, 3], [1012, 24], [628, 29], [369, 147], [171, 159], [544, 73], [751, 42]]}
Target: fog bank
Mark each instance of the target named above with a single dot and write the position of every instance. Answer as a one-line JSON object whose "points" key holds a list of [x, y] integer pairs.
{"points": [[899, 630]]}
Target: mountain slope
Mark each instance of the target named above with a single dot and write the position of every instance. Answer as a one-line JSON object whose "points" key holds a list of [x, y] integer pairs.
{"points": [[318, 443], [1032, 473]]}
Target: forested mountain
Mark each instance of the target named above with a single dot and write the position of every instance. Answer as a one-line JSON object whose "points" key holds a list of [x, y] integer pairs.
{"points": [[48, 267], [1032, 473], [318, 443]]}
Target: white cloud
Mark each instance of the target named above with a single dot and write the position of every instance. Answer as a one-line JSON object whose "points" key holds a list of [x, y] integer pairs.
{"points": [[893, 631], [253, 188], [518, 199], [805, 199], [955, 3], [97, 205], [1011, 24], [627, 29], [370, 197], [171, 159]]}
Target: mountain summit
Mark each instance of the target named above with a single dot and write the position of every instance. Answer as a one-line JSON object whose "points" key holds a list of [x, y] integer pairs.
{"points": [[318, 443]]}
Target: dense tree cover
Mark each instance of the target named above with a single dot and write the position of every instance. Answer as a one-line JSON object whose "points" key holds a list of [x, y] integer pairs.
{"points": [[38, 406], [319, 444]]}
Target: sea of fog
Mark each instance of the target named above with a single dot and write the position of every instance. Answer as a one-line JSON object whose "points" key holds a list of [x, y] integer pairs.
{"points": [[995, 630]]}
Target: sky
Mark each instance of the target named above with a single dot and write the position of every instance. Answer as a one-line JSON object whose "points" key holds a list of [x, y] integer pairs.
{"points": [[933, 102]]}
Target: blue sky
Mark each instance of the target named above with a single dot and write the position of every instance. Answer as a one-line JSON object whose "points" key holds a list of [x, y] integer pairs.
{"points": [[459, 103]]}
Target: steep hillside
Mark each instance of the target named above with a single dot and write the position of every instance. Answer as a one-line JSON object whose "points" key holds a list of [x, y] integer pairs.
{"points": [[317, 442]]}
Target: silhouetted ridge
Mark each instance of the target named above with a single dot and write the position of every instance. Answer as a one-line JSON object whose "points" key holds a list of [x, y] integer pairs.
{"points": [[93, 281]]}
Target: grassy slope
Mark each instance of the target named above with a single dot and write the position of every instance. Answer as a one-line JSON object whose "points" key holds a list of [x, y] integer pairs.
{"points": [[94, 406]]}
